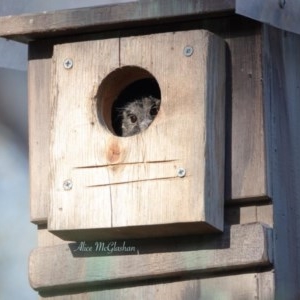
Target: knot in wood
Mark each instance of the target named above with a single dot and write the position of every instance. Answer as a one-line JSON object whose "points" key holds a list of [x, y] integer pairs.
{"points": [[113, 152]]}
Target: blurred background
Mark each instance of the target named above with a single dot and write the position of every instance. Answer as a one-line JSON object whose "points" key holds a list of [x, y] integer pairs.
{"points": [[17, 235]]}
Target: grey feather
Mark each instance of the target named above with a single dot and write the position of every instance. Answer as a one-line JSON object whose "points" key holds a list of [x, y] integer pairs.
{"points": [[137, 115]]}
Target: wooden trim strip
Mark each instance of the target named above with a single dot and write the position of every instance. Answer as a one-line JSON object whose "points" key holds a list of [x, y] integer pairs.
{"points": [[281, 14], [26, 28], [80, 264]]}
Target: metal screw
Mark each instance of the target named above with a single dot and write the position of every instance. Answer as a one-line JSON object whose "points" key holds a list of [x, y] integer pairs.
{"points": [[282, 3], [181, 172], [68, 184], [188, 51], [68, 63]]}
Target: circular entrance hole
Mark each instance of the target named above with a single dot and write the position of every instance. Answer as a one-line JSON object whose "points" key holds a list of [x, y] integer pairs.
{"points": [[128, 100]]}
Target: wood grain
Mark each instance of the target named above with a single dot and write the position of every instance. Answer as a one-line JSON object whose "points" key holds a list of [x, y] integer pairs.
{"points": [[282, 93], [250, 286], [80, 21], [40, 107], [262, 213], [234, 215], [126, 183], [280, 14], [245, 151], [240, 247]]}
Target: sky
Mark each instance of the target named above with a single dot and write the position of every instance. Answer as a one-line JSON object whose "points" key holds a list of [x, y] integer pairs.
{"points": [[17, 234]]}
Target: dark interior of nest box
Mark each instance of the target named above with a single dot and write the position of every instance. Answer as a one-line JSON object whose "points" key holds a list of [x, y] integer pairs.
{"points": [[120, 86]]}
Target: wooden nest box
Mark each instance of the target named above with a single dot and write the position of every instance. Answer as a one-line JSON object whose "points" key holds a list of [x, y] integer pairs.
{"points": [[165, 180], [93, 185]]}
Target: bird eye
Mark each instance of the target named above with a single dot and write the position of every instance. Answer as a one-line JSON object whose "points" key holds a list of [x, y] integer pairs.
{"points": [[153, 111], [133, 118]]}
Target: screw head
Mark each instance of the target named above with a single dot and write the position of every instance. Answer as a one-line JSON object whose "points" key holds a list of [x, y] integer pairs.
{"points": [[68, 63], [67, 185], [188, 51], [181, 172]]}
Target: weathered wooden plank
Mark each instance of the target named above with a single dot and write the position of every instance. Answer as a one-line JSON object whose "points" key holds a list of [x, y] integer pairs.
{"points": [[39, 85], [46, 238], [75, 131], [223, 287], [121, 185], [233, 215], [281, 87], [266, 286], [262, 213], [240, 247], [146, 12], [245, 152], [281, 13]]}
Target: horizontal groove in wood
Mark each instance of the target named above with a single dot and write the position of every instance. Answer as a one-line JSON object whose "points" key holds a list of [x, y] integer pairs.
{"points": [[25, 28], [239, 247]]}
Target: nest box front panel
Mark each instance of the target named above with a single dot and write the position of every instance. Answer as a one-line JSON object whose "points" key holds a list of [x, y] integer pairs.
{"points": [[164, 179]]}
